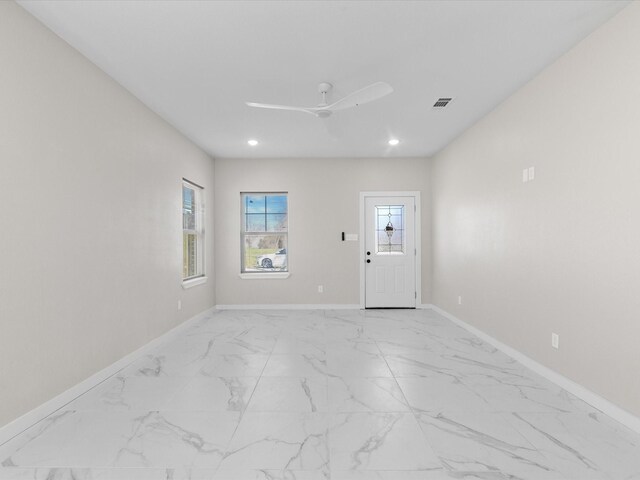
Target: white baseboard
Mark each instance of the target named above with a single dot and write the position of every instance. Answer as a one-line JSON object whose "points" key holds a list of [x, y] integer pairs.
{"points": [[305, 306], [292, 306], [29, 419], [605, 406]]}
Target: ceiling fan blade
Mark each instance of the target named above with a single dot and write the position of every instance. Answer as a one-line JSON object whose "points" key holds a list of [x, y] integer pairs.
{"points": [[281, 107], [362, 96]]}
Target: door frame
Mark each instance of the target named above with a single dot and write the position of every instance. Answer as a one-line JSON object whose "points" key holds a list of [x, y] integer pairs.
{"points": [[418, 244]]}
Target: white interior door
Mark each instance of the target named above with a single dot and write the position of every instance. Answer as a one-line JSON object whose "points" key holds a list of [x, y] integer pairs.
{"points": [[390, 252]]}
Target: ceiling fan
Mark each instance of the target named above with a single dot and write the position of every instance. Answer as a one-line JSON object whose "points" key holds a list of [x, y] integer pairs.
{"points": [[359, 97]]}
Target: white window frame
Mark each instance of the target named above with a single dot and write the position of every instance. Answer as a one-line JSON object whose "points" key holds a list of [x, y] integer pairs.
{"points": [[248, 275], [199, 230]]}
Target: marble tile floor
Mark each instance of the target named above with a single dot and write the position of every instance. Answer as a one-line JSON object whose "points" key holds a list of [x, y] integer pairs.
{"points": [[319, 395]]}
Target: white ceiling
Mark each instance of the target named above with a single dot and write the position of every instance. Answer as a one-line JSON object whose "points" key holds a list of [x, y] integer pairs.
{"points": [[195, 63]]}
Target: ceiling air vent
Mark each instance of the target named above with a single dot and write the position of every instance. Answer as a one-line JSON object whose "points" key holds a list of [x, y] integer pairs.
{"points": [[442, 102]]}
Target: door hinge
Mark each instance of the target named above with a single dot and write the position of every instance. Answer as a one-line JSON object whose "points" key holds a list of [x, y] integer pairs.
{"points": [[415, 295], [415, 251], [415, 208]]}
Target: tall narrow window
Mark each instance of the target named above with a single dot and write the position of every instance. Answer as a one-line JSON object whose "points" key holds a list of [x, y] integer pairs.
{"points": [[265, 227], [192, 231]]}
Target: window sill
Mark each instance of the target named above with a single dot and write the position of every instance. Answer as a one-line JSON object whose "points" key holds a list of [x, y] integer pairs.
{"points": [[193, 282], [262, 276]]}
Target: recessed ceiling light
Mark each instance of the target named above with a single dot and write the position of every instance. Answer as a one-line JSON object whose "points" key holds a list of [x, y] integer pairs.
{"points": [[253, 143], [394, 141]]}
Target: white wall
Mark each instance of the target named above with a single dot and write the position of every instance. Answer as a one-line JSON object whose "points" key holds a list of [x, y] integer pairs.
{"points": [[90, 232], [323, 202], [562, 253]]}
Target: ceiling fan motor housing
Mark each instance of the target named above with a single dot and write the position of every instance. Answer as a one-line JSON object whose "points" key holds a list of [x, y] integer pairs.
{"points": [[324, 87]]}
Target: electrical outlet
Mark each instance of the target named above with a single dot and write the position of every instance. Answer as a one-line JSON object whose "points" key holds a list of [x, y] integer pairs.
{"points": [[320, 289], [555, 340], [459, 300], [179, 304]]}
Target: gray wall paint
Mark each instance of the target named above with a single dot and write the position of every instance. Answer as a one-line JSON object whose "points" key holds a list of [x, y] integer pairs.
{"points": [[559, 254], [90, 210], [324, 201]]}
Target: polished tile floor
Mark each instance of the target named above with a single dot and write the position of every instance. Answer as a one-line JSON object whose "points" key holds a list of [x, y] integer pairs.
{"points": [[310, 395]]}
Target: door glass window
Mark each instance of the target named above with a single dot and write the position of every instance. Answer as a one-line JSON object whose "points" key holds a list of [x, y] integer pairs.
{"points": [[390, 238]]}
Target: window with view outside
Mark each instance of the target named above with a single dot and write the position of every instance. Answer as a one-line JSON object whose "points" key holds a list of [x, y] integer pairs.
{"points": [[265, 228], [192, 231]]}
